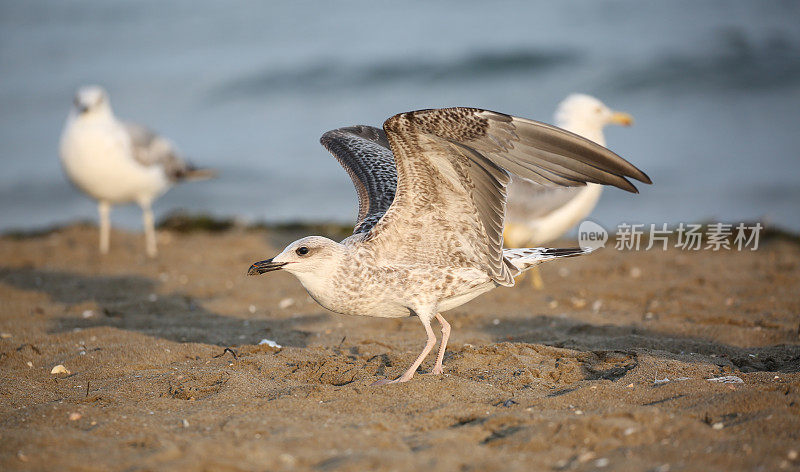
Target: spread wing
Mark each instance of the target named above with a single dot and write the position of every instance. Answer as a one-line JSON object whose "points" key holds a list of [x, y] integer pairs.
{"points": [[150, 149], [364, 153], [453, 167]]}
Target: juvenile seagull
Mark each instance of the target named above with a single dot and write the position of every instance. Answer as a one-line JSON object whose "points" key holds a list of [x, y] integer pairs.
{"points": [[115, 162], [432, 194], [538, 215]]}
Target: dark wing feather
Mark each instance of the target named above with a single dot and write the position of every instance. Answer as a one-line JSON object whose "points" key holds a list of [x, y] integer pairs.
{"points": [[150, 149], [364, 153], [452, 167]]}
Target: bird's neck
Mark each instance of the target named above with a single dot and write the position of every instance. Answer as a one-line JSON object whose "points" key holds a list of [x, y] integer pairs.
{"points": [[324, 283], [102, 115]]}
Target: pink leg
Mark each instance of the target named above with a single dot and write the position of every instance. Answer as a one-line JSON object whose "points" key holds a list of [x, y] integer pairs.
{"points": [[411, 370], [437, 369]]}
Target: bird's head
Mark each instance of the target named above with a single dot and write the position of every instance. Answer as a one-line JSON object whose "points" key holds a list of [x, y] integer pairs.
{"points": [[587, 116], [310, 256], [91, 99]]}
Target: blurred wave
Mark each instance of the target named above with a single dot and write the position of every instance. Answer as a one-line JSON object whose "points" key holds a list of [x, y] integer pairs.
{"points": [[737, 63], [332, 75]]}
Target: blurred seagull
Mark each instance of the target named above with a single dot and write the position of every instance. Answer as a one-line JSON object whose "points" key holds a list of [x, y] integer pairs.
{"points": [[539, 215], [116, 162], [432, 194]]}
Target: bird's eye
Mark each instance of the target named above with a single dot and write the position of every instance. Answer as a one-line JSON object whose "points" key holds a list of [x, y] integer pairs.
{"points": [[301, 251]]}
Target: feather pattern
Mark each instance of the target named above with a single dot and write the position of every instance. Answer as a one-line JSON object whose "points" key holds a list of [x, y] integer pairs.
{"points": [[364, 153]]}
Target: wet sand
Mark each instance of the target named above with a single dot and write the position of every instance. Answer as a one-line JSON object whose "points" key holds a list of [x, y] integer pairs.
{"points": [[603, 370]]}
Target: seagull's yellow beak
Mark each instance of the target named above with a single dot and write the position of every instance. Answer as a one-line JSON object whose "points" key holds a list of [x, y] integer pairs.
{"points": [[621, 118]]}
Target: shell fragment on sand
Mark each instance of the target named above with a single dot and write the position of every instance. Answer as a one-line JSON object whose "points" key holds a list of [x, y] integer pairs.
{"points": [[728, 379], [60, 369], [269, 343]]}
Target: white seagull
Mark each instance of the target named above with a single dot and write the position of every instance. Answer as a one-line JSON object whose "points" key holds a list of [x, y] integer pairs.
{"points": [[538, 215], [116, 162], [432, 195]]}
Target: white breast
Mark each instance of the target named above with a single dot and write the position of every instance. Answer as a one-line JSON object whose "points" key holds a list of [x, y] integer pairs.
{"points": [[553, 225], [96, 155]]}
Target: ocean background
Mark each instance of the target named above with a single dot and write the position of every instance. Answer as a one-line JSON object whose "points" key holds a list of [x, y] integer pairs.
{"points": [[249, 87]]}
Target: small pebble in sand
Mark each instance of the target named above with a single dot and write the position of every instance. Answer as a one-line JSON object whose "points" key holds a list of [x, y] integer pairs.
{"points": [[597, 305], [586, 456], [602, 462], [29, 364], [636, 272], [577, 302], [75, 416], [251, 309], [21, 456], [285, 303], [5, 335], [87, 314], [184, 423], [152, 297], [60, 369], [553, 304], [792, 455], [717, 426], [496, 321]]}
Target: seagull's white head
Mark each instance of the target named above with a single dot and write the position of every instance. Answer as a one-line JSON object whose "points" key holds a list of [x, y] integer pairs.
{"points": [[310, 257], [587, 116], [90, 101]]}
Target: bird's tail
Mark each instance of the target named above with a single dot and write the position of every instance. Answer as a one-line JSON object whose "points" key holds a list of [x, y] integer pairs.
{"points": [[526, 258]]}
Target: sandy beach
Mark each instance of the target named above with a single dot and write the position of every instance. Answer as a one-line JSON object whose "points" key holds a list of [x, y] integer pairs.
{"points": [[605, 369]]}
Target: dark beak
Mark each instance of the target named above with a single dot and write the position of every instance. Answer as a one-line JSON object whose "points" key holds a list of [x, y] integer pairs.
{"points": [[262, 267], [80, 106]]}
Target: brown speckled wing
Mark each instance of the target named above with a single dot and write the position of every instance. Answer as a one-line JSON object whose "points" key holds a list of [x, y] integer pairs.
{"points": [[452, 167], [364, 153]]}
